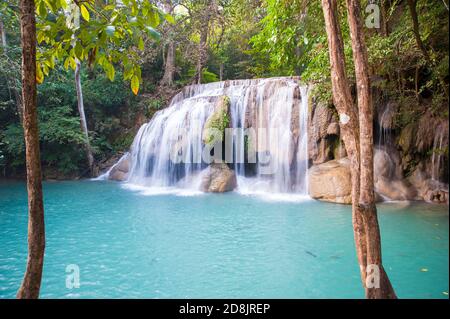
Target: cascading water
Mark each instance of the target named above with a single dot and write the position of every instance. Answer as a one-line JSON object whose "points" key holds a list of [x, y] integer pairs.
{"points": [[437, 158], [276, 109]]}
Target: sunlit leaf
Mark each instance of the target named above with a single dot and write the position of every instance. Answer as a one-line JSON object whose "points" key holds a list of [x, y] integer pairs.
{"points": [[84, 12], [39, 74], [135, 84]]}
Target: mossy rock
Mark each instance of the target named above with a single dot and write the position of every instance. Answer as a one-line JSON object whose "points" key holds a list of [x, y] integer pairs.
{"points": [[218, 121], [407, 137]]}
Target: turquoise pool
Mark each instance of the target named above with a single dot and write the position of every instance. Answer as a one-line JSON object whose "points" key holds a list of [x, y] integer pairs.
{"points": [[127, 244]]}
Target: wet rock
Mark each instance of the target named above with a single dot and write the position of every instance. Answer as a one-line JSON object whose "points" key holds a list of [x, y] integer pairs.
{"points": [[396, 189], [218, 121], [119, 172], [331, 181], [218, 178]]}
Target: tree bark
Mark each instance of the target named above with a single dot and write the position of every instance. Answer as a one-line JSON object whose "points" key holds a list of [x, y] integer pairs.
{"points": [[83, 123], [201, 54], [169, 68], [357, 134], [169, 65], [366, 194], [415, 20], [36, 230], [348, 123], [384, 19]]}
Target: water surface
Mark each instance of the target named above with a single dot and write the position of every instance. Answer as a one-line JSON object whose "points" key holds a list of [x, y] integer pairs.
{"points": [[214, 246]]}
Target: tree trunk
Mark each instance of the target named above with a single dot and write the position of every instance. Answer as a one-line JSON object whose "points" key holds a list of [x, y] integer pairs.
{"points": [[366, 194], [221, 71], [348, 119], [169, 68], [384, 19], [83, 123], [169, 63], [201, 54], [415, 20], [10, 80], [36, 230], [359, 149]]}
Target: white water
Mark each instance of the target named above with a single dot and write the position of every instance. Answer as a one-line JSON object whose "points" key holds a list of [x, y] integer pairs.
{"points": [[276, 108], [437, 157]]}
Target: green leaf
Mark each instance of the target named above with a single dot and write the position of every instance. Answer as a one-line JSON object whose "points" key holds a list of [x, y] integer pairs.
{"points": [[42, 10], [63, 4], [141, 44], [78, 51], [169, 18], [84, 12], [135, 84], [153, 33], [39, 74]]}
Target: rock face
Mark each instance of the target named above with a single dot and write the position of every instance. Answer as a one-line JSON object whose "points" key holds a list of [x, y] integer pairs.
{"points": [[331, 181], [428, 189], [323, 134], [388, 181], [218, 121], [119, 172], [218, 178]]}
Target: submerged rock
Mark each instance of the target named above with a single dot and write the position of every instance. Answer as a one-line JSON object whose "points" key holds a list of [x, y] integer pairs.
{"points": [[218, 178], [331, 181]]}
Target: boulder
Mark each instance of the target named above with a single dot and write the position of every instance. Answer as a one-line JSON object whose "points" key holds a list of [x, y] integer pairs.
{"points": [[218, 178], [396, 189], [119, 172], [428, 189], [323, 132], [331, 181]]}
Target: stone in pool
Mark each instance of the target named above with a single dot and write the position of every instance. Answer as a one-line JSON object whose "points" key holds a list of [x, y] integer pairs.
{"points": [[218, 178], [331, 181]]}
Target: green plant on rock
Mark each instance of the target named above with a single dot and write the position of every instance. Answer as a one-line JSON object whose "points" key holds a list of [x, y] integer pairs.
{"points": [[217, 122]]}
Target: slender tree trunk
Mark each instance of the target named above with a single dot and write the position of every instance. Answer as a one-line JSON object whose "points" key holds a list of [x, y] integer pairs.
{"points": [[3, 34], [221, 71], [348, 122], [83, 123], [10, 80], [357, 134], [384, 19], [169, 63], [36, 230], [415, 20], [366, 195], [201, 54], [169, 68]]}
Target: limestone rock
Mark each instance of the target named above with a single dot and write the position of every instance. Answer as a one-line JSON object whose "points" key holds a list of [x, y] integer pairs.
{"points": [[218, 178], [396, 189], [331, 181], [218, 121], [119, 172], [323, 131]]}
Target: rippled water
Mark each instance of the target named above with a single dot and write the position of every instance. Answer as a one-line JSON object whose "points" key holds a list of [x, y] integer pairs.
{"points": [[127, 244]]}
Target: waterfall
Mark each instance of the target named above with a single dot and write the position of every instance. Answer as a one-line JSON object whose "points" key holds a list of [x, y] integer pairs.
{"points": [[385, 122], [275, 109], [437, 157]]}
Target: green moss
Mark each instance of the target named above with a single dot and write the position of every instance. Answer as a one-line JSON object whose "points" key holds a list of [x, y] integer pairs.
{"points": [[218, 121]]}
